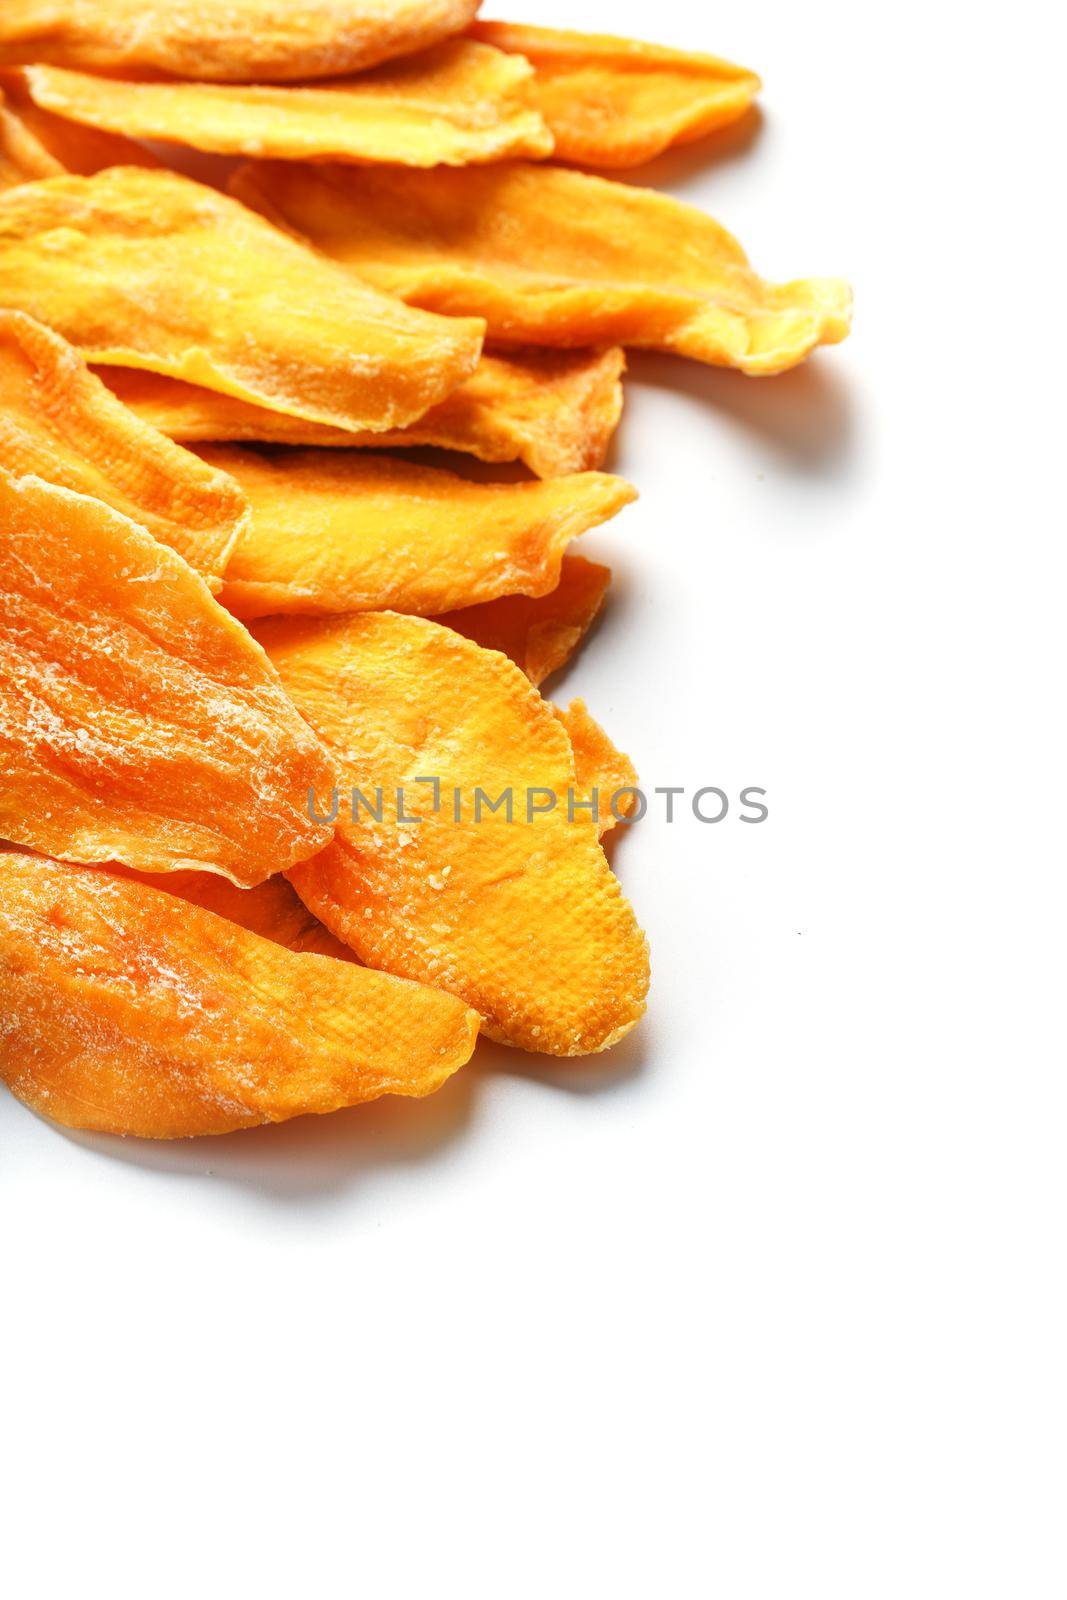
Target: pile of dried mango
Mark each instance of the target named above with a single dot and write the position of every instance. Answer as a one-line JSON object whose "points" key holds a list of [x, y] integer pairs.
{"points": [[255, 670]]}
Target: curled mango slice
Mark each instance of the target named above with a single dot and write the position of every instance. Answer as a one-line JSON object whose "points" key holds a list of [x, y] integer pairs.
{"points": [[148, 269], [553, 410], [600, 767], [129, 1012], [36, 144], [617, 102], [271, 909], [459, 102], [522, 918], [549, 256], [22, 157], [59, 422], [138, 720], [335, 531], [241, 41], [539, 634]]}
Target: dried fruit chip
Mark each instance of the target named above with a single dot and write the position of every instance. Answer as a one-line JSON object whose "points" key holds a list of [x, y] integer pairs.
{"points": [[45, 146], [523, 919], [58, 421], [272, 909], [22, 157], [129, 1012], [602, 770], [138, 720], [459, 102], [148, 269], [538, 634], [335, 531], [243, 41], [554, 410], [553, 257], [616, 102]]}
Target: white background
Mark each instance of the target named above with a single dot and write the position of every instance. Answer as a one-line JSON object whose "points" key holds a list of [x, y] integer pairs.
{"points": [[769, 1303]]}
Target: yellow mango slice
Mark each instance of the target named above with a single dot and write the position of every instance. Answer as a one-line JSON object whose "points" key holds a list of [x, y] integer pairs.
{"points": [[138, 720], [617, 102], [58, 421], [335, 531], [42, 145], [148, 269], [522, 919], [240, 41], [539, 634], [22, 157], [127, 1011], [459, 102], [272, 909], [549, 256], [553, 410], [599, 766]]}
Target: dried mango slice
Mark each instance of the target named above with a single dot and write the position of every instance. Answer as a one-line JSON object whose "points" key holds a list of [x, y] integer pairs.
{"points": [[22, 157], [47, 146], [335, 531], [272, 909], [538, 634], [522, 919], [459, 102], [148, 269], [58, 421], [242, 41], [554, 410], [617, 102], [549, 256], [126, 1011], [138, 720], [599, 766]]}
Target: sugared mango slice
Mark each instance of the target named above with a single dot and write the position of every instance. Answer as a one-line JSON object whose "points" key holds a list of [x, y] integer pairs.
{"points": [[129, 1011], [549, 256], [539, 634], [271, 909], [148, 269], [36, 144], [523, 919], [58, 421], [138, 721], [617, 102], [600, 767], [459, 102], [334, 531]]}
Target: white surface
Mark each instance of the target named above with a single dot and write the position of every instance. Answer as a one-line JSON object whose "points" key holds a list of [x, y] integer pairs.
{"points": [[769, 1306]]}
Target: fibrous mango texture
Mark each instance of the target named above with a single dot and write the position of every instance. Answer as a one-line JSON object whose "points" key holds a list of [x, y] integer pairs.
{"points": [[617, 102], [240, 41], [539, 634], [271, 909], [138, 721], [553, 410], [553, 257], [148, 269], [604, 773], [514, 910], [59, 422], [128, 1011], [334, 531], [459, 102]]}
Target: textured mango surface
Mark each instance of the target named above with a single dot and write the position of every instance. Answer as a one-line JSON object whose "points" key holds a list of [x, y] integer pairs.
{"points": [[335, 531], [272, 909], [240, 41], [138, 721], [459, 102], [540, 634], [46, 146], [600, 767], [554, 410], [128, 1011], [145, 268], [549, 256], [616, 102], [22, 157], [522, 919], [58, 421]]}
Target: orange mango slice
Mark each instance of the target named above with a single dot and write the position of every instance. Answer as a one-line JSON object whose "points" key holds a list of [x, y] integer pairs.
{"points": [[147, 269], [522, 919], [549, 256], [36, 144], [129, 1012], [553, 410], [335, 531], [617, 102], [138, 721], [539, 634], [601, 768], [58, 421], [459, 102], [240, 41], [272, 909]]}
